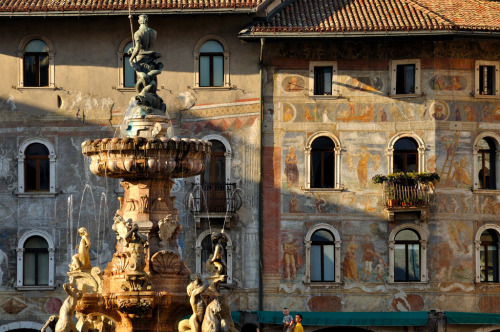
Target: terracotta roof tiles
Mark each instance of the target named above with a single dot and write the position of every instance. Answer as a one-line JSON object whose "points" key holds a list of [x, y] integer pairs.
{"points": [[303, 16], [20, 6]]}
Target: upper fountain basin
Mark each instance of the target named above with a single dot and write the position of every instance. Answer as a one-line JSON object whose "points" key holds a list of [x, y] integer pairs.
{"points": [[140, 157]]}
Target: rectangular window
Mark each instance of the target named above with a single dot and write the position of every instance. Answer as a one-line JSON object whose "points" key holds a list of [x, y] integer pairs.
{"points": [[315, 263], [329, 262], [323, 81], [486, 80], [405, 79], [322, 75]]}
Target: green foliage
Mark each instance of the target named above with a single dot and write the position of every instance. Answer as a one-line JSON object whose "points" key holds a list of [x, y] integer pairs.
{"points": [[407, 179]]}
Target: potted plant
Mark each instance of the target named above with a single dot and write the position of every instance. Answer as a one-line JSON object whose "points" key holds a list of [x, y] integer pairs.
{"points": [[391, 197]]}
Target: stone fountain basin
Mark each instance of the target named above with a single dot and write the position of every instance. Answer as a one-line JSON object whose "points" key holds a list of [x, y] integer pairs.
{"points": [[140, 157]]}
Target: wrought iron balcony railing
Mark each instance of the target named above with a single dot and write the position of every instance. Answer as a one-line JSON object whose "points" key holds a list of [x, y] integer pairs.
{"points": [[213, 198], [407, 196]]}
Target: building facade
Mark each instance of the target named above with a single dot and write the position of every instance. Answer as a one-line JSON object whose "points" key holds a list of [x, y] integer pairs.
{"points": [[304, 102]]}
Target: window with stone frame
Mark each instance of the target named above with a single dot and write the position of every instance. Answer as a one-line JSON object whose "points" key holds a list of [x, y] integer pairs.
{"points": [[322, 163], [405, 77], [487, 78], [322, 251], [405, 158], [407, 256], [486, 157], [36, 167], [35, 261]]}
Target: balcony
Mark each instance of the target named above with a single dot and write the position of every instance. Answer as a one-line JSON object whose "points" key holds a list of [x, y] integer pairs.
{"points": [[407, 194], [213, 200]]}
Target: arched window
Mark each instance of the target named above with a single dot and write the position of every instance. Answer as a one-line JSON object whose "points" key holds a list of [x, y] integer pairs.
{"points": [[36, 63], [486, 156], [211, 58], [211, 64], [405, 155], [486, 244], [36, 167], [204, 249], [488, 256], [322, 244], [408, 254], [322, 163], [128, 72], [35, 261], [322, 256], [322, 159]]}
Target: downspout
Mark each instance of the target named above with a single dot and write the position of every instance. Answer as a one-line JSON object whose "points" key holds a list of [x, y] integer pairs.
{"points": [[261, 98]]}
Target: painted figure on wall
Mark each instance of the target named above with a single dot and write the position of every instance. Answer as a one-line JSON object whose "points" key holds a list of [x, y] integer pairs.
{"points": [[362, 167], [349, 265], [367, 114], [368, 257], [292, 205], [439, 111], [443, 261], [455, 83], [461, 235], [288, 113], [291, 170], [365, 83], [291, 259], [471, 113], [461, 174], [293, 84], [380, 269], [431, 164]]}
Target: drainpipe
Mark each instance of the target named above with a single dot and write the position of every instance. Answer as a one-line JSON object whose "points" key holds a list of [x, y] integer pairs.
{"points": [[261, 98]]}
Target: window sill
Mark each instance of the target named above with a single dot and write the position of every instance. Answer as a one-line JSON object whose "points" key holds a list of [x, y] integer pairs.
{"points": [[408, 282], [324, 97], [485, 96], [323, 284], [41, 88], [486, 191], [37, 194], [212, 88], [35, 288], [403, 96], [123, 89], [323, 189]]}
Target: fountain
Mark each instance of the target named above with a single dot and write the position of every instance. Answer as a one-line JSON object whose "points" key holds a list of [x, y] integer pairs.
{"points": [[143, 288]]}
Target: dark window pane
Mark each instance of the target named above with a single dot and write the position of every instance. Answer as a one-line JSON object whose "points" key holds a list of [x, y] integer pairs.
{"points": [[211, 46], [29, 261], [329, 263], [36, 242], [315, 263], [30, 183], [316, 169], [407, 235], [323, 80], [44, 174], [398, 163], [486, 80], [37, 149], [44, 70], [218, 71], [405, 79], [36, 46], [405, 144], [411, 163], [43, 268], [204, 71], [328, 169], [399, 262], [413, 262], [322, 236], [29, 71]]}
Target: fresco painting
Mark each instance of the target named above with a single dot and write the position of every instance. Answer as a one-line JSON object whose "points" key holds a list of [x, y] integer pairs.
{"points": [[364, 258], [293, 83], [324, 304], [289, 112], [396, 111], [292, 256], [439, 110], [369, 84], [291, 170], [407, 302], [448, 83], [363, 161]]}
